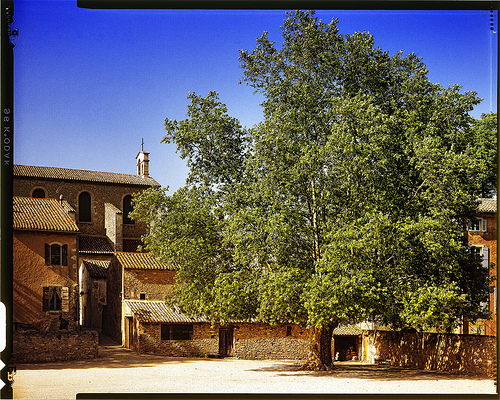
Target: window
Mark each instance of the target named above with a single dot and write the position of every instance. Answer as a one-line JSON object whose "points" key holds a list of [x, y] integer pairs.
{"points": [[176, 332], [84, 207], [55, 298], [483, 252], [142, 296], [127, 209], [56, 254], [478, 225], [38, 193]]}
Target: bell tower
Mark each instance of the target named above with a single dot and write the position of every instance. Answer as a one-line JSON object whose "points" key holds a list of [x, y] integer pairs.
{"points": [[142, 162]]}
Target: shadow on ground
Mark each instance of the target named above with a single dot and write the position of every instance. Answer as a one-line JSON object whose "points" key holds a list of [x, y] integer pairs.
{"points": [[112, 355], [363, 370]]}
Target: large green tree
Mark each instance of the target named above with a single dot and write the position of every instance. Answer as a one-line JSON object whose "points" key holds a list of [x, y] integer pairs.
{"points": [[346, 203]]}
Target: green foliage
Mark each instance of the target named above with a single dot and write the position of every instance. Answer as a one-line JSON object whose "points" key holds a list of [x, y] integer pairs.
{"points": [[346, 202]]}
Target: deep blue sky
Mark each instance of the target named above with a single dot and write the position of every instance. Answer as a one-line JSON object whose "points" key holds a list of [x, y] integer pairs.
{"points": [[90, 84]]}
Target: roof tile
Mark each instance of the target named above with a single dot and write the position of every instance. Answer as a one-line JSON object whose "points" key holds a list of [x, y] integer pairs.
{"points": [[81, 175], [94, 245], [140, 261], [346, 330], [487, 205], [97, 269], [42, 214], [158, 311]]}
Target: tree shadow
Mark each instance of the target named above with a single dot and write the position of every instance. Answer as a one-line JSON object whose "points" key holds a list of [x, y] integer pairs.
{"points": [[114, 356], [363, 370]]}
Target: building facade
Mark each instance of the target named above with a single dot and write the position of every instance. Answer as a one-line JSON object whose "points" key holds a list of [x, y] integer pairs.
{"points": [[45, 256], [482, 237], [99, 204]]}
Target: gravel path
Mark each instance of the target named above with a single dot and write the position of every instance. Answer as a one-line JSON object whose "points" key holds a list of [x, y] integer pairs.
{"points": [[118, 370]]}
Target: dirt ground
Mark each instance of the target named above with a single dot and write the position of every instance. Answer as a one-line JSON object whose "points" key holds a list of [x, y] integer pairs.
{"points": [[118, 370]]}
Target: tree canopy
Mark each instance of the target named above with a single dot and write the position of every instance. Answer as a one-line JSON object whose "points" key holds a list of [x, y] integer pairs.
{"points": [[347, 202]]}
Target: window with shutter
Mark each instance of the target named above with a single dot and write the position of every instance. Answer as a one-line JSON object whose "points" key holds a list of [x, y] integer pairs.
{"points": [[47, 254], [484, 225], [55, 254], [486, 257], [65, 299], [64, 254], [46, 297], [478, 225]]}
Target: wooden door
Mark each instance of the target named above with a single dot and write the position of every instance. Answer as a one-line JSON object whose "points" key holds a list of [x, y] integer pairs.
{"points": [[129, 332], [226, 341]]}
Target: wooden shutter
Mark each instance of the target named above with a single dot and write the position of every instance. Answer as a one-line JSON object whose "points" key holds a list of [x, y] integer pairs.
{"points": [[47, 254], [65, 299], [484, 224], [486, 258], [64, 254], [46, 297], [495, 299]]}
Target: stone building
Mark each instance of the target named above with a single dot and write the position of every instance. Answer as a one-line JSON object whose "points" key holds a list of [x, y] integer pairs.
{"points": [[139, 318], [482, 237], [100, 203], [45, 276]]}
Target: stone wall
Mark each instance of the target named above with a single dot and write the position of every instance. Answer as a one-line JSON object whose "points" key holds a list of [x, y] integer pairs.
{"points": [[250, 341], [262, 341], [153, 283], [50, 346], [471, 354], [205, 341], [100, 193]]}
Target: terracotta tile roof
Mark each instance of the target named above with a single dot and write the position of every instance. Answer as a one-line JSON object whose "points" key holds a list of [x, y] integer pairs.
{"points": [[81, 175], [97, 269], [94, 245], [158, 311], [42, 214], [487, 205], [346, 330], [140, 261]]}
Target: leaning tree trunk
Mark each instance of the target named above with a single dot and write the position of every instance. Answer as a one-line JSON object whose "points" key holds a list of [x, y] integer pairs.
{"points": [[320, 349]]}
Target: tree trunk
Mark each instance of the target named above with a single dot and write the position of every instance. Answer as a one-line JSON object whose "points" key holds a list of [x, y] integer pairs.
{"points": [[320, 349]]}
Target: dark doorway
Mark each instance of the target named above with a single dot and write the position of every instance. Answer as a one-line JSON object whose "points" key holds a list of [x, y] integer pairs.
{"points": [[346, 348], [226, 342]]}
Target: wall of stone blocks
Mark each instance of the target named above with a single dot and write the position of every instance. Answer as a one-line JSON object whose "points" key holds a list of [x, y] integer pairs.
{"points": [[154, 283], [100, 193], [205, 341], [250, 341], [50, 346], [471, 354]]}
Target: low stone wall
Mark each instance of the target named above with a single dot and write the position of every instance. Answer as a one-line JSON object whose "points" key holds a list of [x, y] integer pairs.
{"points": [[471, 354], [50, 346], [178, 348], [271, 348]]}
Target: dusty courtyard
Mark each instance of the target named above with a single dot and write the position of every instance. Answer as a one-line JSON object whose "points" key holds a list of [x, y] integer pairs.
{"points": [[118, 370]]}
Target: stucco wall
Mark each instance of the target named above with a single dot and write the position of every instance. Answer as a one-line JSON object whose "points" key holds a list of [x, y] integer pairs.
{"points": [[472, 354], [31, 275]]}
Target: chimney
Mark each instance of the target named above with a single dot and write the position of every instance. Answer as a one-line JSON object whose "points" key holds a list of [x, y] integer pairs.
{"points": [[143, 164]]}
